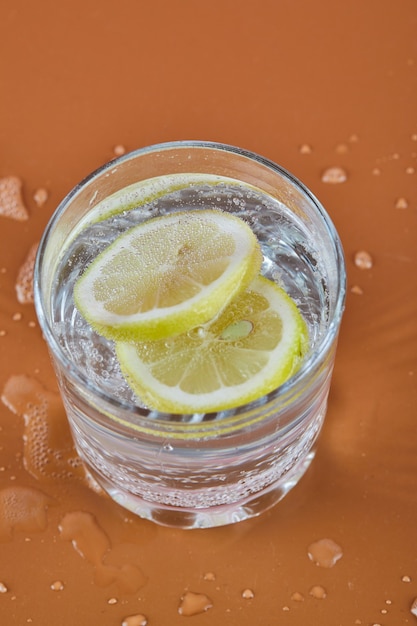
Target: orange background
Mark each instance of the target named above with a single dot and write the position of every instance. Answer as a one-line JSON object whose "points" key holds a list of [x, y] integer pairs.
{"points": [[77, 79]]}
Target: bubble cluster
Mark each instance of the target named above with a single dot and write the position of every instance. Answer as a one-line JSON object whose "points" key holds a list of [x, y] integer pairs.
{"points": [[48, 449], [22, 509], [24, 281], [11, 201]]}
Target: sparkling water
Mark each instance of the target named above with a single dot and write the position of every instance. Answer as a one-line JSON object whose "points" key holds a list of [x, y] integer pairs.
{"points": [[289, 258]]}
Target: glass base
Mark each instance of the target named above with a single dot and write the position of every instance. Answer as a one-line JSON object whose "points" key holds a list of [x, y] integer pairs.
{"points": [[176, 517]]}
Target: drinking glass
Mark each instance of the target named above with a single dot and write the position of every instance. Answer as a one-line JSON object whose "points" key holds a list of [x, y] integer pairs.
{"points": [[196, 470]]}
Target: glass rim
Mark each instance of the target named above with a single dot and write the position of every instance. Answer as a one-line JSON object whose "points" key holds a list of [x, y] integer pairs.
{"points": [[229, 416]]}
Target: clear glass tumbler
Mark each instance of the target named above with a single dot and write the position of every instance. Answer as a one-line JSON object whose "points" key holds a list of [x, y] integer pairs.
{"points": [[197, 470]]}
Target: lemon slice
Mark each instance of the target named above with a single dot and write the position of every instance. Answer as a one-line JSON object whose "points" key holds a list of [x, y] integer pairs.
{"points": [[168, 274], [251, 348]]}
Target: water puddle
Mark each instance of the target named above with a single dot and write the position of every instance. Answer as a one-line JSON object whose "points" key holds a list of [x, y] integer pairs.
{"points": [[48, 451], [93, 544]]}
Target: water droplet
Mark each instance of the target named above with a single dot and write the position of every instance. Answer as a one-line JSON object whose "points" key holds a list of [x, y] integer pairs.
{"points": [[135, 620], [285, 608], [194, 603], [57, 586], [401, 203], [112, 601], [297, 596], [3, 588], [248, 594], [119, 150], [406, 579], [305, 148], [410, 170], [209, 576], [363, 260], [17, 317], [167, 447], [357, 290], [11, 201], [376, 171], [342, 148], [354, 138], [40, 196], [324, 552], [334, 175], [413, 607], [317, 591]]}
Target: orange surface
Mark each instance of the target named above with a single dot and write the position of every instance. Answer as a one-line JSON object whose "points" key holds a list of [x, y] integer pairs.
{"points": [[77, 79]]}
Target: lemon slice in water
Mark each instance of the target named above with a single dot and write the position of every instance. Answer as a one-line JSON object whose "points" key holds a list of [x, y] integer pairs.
{"points": [[168, 274], [251, 348]]}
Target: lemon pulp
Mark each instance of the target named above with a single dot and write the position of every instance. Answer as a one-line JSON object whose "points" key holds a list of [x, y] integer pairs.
{"points": [[168, 274], [254, 345]]}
